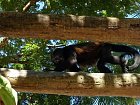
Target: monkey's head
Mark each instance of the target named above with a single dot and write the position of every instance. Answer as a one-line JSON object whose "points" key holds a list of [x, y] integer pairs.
{"points": [[58, 56], [65, 59]]}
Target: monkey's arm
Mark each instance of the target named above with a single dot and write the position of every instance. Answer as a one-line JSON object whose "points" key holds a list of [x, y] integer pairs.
{"points": [[71, 60]]}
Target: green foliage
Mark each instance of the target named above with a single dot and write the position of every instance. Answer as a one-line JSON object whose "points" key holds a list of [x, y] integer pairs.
{"points": [[34, 54], [8, 95], [78, 100], [12, 5], [57, 100], [114, 101], [25, 54], [117, 8]]}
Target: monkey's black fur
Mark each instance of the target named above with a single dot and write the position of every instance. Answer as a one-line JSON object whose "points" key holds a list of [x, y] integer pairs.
{"points": [[71, 57]]}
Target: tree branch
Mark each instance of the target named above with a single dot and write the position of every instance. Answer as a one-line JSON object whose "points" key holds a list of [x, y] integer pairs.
{"points": [[74, 84], [70, 27], [29, 4]]}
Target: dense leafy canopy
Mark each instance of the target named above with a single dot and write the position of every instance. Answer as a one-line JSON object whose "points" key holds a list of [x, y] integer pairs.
{"points": [[34, 54], [117, 8]]}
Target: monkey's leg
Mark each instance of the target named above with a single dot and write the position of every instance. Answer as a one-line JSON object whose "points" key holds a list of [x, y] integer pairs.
{"points": [[109, 59], [117, 60], [123, 63], [105, 57], [101, 66]]}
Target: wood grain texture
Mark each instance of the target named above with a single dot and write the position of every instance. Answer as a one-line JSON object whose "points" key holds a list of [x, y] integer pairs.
{"points": [[25, 25], [74, 84]]}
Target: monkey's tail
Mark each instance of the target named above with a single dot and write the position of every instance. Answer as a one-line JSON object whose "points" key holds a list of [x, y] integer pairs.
{"points": [[136, 62], [130, 51]]}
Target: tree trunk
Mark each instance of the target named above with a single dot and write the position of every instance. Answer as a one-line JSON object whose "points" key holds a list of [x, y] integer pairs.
{"points": [[25, 25], [74, 84]]}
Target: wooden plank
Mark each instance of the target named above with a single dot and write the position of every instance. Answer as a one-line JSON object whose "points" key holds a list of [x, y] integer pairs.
{"points": [[24, 25], [74, 84]]}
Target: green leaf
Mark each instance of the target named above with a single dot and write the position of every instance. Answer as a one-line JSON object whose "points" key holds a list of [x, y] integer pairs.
{"points": [[8, 95]]}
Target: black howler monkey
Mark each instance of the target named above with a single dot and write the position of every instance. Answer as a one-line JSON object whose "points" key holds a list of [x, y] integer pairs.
{"points": [[70, 57]]}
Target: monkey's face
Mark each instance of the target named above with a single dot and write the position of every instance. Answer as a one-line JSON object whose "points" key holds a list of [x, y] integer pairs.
{"points": [[57, 56]]}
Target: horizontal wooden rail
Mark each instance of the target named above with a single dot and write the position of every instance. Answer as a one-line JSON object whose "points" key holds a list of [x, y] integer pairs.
{"points": [[108, 29], [74, 84]]}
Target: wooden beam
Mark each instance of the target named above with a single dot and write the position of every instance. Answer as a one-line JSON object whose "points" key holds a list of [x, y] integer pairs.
{"points": [[74, 84], [24, 25]]}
